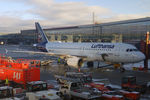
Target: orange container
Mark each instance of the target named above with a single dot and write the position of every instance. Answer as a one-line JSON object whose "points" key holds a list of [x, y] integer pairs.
{"points": [[20, 71], [21, 76]]}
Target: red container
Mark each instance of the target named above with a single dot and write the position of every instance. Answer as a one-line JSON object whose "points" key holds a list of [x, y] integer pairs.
{"points": [[18, 75], [20, 71]]}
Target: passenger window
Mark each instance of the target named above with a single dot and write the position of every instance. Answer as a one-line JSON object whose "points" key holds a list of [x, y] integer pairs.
{"points": [[135, 49]]}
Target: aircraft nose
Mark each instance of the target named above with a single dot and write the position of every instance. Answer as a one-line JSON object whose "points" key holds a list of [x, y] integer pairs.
{"points": [[138, 56], [141, 56]]}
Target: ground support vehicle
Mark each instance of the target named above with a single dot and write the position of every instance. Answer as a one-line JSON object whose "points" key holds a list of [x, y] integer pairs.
{"points": [[105, 81], [52, 84], [8, 93], [130, 95], [100, 86], [111, 97], [74, 76], [39, 90], [86, 79], [129, 83], [76, 90], [112, 93], [121, 95]]}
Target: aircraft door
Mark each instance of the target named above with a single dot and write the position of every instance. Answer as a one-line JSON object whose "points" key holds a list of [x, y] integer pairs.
{"points": [[117, 54]]}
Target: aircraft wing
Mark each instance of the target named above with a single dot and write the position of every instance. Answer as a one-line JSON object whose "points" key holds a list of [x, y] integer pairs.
{"points": [[31, 52], [37, 52], [48, 53]]}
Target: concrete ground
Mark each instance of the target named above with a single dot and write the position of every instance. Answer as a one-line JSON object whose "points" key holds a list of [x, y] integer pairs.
{"points": [[46, 73]]}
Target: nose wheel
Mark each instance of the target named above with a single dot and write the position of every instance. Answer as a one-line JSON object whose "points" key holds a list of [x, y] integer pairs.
{"points": [[122, 69]]}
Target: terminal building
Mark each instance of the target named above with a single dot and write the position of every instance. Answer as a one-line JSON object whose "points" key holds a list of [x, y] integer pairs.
{"points": [[9, 38], [127, 31]]}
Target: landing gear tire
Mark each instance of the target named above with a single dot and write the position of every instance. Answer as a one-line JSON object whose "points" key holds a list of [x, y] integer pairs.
{"points": [[122, 69]]}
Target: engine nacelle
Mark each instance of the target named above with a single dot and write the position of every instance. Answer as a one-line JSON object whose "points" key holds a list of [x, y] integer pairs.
{"points": [[75, 62]]}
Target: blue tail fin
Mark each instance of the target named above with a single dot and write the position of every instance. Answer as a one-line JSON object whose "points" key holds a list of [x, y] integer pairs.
{"points": [[43, 39], [40, 31]]}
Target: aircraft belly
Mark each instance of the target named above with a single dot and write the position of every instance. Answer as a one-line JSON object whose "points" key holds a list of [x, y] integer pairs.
{"points": [[68, 52], [93, 56]]}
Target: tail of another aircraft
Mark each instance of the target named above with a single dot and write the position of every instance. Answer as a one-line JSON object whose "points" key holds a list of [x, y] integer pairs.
{"points": [[43, 39], [40, 31]]}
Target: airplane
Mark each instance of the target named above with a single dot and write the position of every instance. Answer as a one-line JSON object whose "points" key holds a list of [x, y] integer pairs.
{"points": [[75, 54]]}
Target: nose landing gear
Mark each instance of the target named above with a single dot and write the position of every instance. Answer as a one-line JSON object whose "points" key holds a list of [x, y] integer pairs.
{"points": [[120, 67]]}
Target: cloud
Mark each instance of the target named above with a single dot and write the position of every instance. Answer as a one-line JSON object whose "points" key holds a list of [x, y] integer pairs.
{"points": [[67, 13], [13, 24], [120, 17], [50, 13], [53, 14]]}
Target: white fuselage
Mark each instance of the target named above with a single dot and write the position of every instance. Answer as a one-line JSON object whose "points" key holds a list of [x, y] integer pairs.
{"points": [[115, 52]]}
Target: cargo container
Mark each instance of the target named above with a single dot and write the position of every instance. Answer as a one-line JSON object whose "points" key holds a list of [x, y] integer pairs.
{"points": [[19, 71]]}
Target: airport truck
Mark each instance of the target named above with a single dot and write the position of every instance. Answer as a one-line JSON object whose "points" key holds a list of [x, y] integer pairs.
{"points": [[120, 95], [7, 93], [86, 79], [130, 95], [111, 97], [38, 90], [129, 83], [74, 76], [75, 91]]}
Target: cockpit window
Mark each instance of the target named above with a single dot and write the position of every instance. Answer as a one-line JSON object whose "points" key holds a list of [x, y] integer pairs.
{"points": [[127, 50], [135, 49], [130, 50]]}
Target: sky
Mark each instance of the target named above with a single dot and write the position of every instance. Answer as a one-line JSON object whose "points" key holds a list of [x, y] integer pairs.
{"points": [[16, 15]]}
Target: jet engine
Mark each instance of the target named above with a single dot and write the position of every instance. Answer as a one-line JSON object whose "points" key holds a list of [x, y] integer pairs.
{"points": [[75, 62]]}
